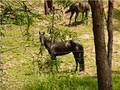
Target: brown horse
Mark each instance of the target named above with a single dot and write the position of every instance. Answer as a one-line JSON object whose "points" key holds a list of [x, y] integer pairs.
{"points": [[63, 48], [79, 7]]}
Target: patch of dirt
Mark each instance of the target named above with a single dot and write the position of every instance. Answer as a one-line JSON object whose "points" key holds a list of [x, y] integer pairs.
{"points": [[117, 4], [116, 37], [86, 36]]}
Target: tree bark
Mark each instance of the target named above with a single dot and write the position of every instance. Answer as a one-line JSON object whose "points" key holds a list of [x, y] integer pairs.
{"points": [[47, 6], [50, 4], [110, 32], [103, 70]]}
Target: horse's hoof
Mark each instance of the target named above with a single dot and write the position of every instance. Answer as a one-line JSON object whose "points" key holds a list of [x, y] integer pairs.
{"points": [[81, 70], [75, 70], [69, 25]]}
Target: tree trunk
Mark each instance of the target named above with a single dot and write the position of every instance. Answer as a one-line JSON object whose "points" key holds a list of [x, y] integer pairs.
{"points": [[103, 70], [47, 6], [50, 4], [110, 32]]}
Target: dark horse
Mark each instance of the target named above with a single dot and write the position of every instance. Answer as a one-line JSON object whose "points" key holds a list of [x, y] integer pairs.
{"points": [[62, 48], [79, 7]]}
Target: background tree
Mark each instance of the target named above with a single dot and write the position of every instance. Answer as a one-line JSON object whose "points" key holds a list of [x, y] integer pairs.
{"points": [[103, 70], [110, 32], [47, 6]]}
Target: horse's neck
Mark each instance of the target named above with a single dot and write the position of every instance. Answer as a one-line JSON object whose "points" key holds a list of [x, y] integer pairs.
{"points": [[47, 43]]}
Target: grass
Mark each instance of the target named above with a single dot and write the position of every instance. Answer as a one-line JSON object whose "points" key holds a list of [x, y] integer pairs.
{"points": [[116, 82], [63, 82], [69, 82], [116, 16]]}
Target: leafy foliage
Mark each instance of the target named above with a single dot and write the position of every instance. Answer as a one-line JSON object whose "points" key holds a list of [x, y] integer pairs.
{"points": [[60, 33], [21, 18], [21, 15]]}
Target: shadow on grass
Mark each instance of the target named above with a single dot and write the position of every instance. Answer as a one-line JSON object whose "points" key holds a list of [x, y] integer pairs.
{"points": [[116, 16], [74, 24], [116, 72]]}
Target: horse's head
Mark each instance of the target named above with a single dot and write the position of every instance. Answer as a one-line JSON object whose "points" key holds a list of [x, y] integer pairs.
{"points": [[42, 38]]}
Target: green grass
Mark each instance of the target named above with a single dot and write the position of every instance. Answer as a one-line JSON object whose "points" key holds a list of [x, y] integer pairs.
{"points": [[116, 20], [68, 82], [63, 82], [116, 81]]}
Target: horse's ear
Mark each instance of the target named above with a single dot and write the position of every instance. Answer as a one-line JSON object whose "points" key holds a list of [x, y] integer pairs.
{"points": [[43, 33], [39, 33]]}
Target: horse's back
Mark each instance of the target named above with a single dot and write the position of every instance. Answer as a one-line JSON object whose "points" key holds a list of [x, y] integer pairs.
{"points": [[79, 7], [74, 7], [61, 48], [86, 5], [77, 44]]}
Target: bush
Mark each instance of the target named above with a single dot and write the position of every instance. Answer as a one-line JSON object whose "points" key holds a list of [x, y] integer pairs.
{"points": [[21, 18]]}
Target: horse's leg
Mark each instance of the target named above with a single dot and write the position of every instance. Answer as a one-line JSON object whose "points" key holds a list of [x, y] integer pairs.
{"points": [[76, 55], [77, 13], [81, 61], [54, 59], [82, 16], [76, 64], [71, 17]]}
